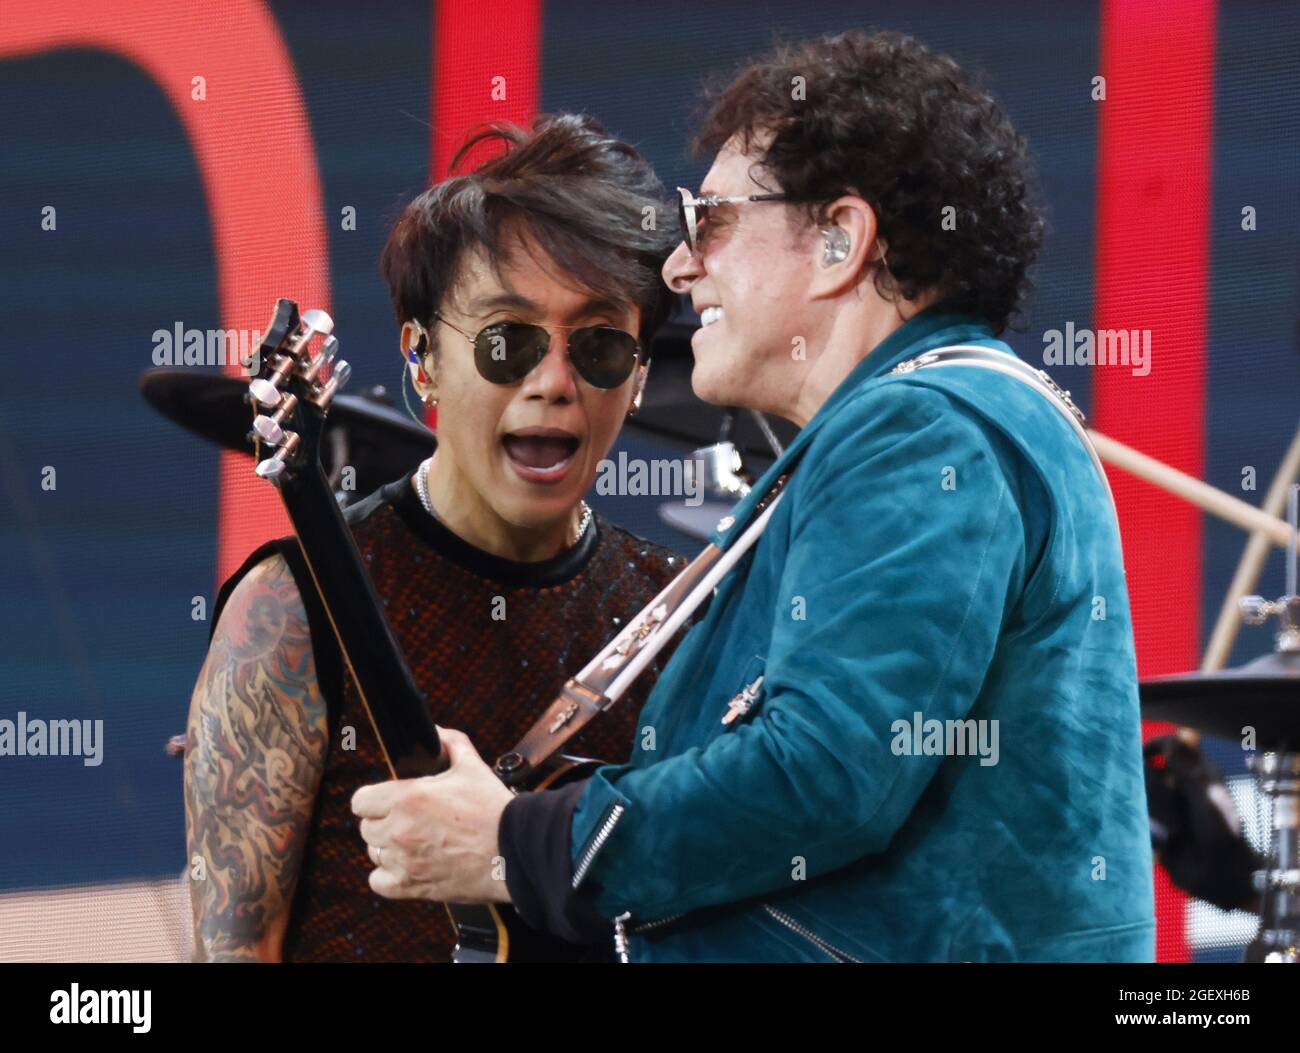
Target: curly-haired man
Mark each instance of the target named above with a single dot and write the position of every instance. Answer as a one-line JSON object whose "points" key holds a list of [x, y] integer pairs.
{"points": [[907, 727]]}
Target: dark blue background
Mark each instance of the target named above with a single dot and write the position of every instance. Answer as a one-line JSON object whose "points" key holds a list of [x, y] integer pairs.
{"points": [[98, 576]]}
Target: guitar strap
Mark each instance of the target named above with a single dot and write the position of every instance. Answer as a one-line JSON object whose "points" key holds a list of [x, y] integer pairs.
{"points": [[605, 679], [1010, 366], [607, 676]]}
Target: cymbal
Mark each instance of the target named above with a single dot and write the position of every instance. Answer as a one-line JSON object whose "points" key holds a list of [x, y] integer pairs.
{"points": [[372, 436], [1263, 694]]}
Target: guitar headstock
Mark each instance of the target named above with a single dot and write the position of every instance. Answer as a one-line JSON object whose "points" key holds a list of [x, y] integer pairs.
{"points": [[289, 395]]}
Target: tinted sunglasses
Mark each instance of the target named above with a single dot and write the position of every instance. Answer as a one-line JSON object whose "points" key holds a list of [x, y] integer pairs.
{"points": [[692, 211], [506, 352]]}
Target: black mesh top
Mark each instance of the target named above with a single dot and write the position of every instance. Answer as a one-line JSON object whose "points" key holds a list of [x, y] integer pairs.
{"points": [[490, 642]]}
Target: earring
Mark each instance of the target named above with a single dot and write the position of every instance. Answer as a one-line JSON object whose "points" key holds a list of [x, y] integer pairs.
{"points": [[837, 245]]}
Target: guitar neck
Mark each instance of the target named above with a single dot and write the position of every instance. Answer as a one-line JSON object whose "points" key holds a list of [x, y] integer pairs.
{"points": [[396, 706]]}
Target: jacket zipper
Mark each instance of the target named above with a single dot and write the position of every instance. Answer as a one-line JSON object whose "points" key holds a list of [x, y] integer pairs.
{"points": [[620, 937], [622, 930], [810, 936], [742, 703], [602, 834], [598, 840], [738, 707]]}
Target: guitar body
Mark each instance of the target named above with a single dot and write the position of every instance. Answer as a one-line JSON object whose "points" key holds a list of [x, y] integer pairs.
{"points": [[291, 398]]}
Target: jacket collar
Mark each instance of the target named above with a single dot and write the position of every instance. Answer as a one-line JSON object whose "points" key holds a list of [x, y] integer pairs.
{"points": [[930, 328]]}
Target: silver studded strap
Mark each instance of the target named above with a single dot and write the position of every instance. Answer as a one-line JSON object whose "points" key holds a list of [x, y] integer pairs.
{"points": [[1010, 366]]}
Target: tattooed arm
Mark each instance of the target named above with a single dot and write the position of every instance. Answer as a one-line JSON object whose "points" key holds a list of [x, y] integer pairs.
{"points": [[257, 744]]}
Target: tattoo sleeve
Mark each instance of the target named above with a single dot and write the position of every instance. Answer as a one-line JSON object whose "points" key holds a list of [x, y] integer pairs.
{"points": [[258, 736]]}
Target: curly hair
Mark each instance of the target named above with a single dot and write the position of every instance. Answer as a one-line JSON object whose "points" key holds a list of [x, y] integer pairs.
{"points": [[910, 133], [583, 195]]}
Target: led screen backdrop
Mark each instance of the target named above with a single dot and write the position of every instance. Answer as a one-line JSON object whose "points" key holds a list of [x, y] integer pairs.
{"points": [[170, 165]]}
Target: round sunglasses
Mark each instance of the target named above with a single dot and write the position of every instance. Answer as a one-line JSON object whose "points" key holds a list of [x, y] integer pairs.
{"points": [[506, 352]]}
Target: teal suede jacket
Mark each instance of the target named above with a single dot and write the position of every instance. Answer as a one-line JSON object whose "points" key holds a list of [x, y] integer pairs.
{"points": [[945, 552]]}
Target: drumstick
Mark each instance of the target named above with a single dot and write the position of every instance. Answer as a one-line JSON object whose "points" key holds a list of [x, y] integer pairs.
{"points": [[1251, 565], [1213, 500], [1263, 527]]}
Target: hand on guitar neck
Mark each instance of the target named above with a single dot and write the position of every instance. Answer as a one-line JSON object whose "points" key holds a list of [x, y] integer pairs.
{"points": [[435, 837]]}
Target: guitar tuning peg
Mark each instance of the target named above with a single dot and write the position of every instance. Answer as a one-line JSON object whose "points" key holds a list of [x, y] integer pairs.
{"points": [[339, 376], [272, 467], [268, 427], [268, 430], [317, 321], [328, 350], [310, 323], [264, 392], [269, 468]]}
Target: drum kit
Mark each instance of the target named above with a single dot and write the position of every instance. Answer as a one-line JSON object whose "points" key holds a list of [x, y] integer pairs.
{"points": [[1256, 703]]}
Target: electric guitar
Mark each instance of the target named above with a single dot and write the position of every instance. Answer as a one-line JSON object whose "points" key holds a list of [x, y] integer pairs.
{"points": [[291, 396]]}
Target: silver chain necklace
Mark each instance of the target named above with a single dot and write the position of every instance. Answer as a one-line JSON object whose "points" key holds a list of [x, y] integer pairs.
{"points": [[422, 488]]}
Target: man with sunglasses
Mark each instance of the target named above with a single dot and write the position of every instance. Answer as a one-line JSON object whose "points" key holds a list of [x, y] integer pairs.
{"points": [[907, 726], [527, 291]]}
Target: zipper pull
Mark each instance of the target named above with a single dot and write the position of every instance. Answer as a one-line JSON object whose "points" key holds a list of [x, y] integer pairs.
{"points": [[742, 703], [620, 937]]}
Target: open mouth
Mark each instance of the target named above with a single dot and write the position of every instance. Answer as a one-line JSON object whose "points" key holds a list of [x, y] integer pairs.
{"points": [[541, 454]]}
